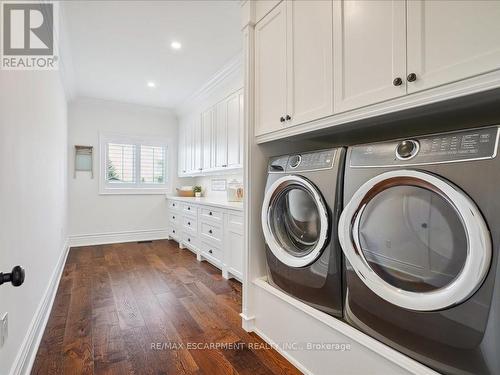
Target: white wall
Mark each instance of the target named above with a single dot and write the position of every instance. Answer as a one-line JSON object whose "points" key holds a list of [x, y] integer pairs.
{"points": [[33, 194], [92, 214]]}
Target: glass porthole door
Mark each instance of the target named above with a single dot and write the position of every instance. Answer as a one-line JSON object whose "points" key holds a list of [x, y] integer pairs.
{"points": [[416, 240], [295, 221]]}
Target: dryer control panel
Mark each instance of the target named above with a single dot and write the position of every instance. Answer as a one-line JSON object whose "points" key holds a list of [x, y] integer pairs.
{"points": [[477, 144], [303, 162]]}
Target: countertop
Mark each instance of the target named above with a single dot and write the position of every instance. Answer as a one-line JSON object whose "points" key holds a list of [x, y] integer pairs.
{"points": [[222, 203]]}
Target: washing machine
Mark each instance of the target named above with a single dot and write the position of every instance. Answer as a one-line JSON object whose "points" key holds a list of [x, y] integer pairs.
{"points": [[300, 212], [421, 232]]}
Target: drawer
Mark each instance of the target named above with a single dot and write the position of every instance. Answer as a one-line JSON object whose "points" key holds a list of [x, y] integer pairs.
{"points": [[211, 251], [189, 239], [211, 214], [189, 224], [211, 231], [189, 209], [174, 232], [173, 205], [174, 217]]}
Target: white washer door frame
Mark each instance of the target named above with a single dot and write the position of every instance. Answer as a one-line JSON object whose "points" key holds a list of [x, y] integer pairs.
{"points": [[267, 206], [476, 264]]}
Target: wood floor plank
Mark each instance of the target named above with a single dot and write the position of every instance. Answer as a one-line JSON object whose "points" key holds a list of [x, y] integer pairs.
{"points": [[149, 309]]}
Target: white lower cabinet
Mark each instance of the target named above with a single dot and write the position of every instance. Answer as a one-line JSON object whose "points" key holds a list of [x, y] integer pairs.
{"points": [[214, 234]]}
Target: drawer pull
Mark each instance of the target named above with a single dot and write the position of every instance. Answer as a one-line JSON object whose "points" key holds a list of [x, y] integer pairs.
{"points": [[189, 208], [189, 223], [173, 204], [173, 231], [189, 239], [173, 217], [210, 213], [210, 251], [210, 231]]}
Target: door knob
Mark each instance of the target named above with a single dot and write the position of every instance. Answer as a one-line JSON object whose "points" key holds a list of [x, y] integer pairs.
{"points": [[411, 77], [16, 277]]}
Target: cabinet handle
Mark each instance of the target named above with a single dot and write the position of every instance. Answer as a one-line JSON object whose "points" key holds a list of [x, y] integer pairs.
{"points": [[210, 213], [397, 81], [173, 231], [282, 119], [189, 223], [210, 251], [210, 231], [189, 239], [184, 171], [411, 77], [224, 165], [173, 217], [288, 118], [189, 208]]}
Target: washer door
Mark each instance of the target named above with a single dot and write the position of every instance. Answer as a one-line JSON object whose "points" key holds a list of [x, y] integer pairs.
{"points": [[416, 240], [295, 221]]}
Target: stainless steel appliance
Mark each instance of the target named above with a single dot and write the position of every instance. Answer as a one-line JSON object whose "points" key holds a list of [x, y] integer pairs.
{"points": [[421, 234], [300, 214]]}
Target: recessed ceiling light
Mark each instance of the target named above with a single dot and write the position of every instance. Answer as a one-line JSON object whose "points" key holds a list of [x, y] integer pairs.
{"points": [[151, 84], [175, 45]]}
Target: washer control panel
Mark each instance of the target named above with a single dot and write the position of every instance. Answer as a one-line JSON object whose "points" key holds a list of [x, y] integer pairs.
{"points": [[304, 162], [467, 145]]}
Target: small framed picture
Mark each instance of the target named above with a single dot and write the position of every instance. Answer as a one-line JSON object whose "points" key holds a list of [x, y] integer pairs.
{"points": [[218, 184]]}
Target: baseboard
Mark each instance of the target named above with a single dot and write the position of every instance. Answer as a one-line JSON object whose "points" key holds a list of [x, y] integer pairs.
{"points": [[247, 323], [27, 353], [117, 237]]}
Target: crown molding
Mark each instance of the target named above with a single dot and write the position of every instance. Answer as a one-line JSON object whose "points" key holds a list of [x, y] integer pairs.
{"points": [[231, 67]]}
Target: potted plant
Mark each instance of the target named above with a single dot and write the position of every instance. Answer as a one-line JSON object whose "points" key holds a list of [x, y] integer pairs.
{"points": [[197, 191]]}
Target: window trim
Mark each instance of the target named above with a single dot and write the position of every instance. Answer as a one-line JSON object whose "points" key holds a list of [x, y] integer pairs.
{"points": [[138, 188]]}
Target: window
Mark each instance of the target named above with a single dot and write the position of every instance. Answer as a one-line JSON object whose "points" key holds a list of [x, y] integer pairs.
{"points": [[133, 165]]}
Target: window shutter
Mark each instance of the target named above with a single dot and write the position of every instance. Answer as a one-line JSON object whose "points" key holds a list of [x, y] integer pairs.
{"points": [[121, 165], [152, 165]]}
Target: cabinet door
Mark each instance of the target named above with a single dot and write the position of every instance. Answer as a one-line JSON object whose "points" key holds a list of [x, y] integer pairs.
{"points": [[309, 58], [369, 52], [181, 154], [188, 145], [235, 130], [451, 40], [270, 70], [207, 125], [221, 135], [197, 144]]}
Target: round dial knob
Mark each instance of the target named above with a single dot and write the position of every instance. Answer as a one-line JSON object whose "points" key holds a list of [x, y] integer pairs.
{"points": [[407, 149], [295, 161]]}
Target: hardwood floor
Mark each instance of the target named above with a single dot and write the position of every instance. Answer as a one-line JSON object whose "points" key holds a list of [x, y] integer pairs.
{"points": [[149, 308]]}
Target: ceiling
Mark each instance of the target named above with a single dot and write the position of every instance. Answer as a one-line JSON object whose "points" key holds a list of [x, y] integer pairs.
{"points": [[116, 47]]}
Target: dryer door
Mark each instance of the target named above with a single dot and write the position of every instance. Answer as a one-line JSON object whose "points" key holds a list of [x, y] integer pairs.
{"points": [[295, 221], [416, 240]]}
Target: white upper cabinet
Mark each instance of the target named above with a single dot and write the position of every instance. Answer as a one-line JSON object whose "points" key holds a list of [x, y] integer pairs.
{"points": [[212, 141], [270, 71], [451, 40], [293, 65], [309, 60], [221, 140], [370, 52], [197, 144], [235, 130], [207, 132]]}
